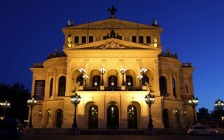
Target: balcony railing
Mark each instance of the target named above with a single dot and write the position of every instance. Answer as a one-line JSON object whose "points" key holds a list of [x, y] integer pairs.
{"points": [[168, 54], [184, 65], [113, 89], [56, 54]]}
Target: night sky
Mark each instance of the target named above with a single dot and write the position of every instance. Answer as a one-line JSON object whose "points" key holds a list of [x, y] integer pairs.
{"points": [[31, 29]]}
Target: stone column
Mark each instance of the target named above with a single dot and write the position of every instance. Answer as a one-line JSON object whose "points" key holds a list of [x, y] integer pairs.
{"points": [[68, 79]]}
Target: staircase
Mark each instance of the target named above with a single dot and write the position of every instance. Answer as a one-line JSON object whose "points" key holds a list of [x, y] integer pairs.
{"points": [[112, 132]]}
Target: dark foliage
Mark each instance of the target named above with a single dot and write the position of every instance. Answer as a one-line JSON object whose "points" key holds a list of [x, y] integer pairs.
{"points": [[217, 113], [17, 96]]}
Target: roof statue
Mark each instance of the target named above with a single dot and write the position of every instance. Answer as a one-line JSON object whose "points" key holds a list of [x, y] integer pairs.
{"points": [[70, 23], [112, 11], [112, 34], [155, 23]]}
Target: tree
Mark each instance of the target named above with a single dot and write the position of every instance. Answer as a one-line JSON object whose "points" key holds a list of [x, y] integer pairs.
{"points": [[17, 95]]}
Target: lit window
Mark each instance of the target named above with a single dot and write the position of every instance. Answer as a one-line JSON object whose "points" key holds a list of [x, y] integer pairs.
{"points": [[134, 39], [76, 39], [141, 39], [148, 39], [83, 39]]}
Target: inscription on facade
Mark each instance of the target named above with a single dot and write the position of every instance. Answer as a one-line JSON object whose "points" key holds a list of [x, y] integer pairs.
{"points": [[113, 25], [39, 89]]}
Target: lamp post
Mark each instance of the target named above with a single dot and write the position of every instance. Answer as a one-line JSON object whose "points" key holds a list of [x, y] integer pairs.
{"points": [[143, 70], [75, 99], [4, 105], [40, 115], [81, 71], [149, 99], [219, 104], [193, 102], [85, 77], [31, 102], [102, 71], [140, 79], [176, 115], [123, 70]]}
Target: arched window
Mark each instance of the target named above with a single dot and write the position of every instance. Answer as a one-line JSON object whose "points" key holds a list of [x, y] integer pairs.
{"points": [[163, 86], [93, 116], [112, 84], [132, 116], [51, 87], [174, 87], [112, 117], [96, 82], [80, 80], [62, 86], [145, 80], [129, 81], [59, 118], [166, 118], [177, 118]]}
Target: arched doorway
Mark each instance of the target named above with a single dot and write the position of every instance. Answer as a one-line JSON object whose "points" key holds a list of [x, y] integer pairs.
{"points": [[96, 82], [132, 117], [59, 118], [112, 117], [112, 83], [80, 80], [93, 117], [145, 80], [129, 82], [166, 118]]}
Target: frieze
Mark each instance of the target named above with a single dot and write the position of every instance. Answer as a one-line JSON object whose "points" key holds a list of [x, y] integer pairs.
{"points": [[113, 25]]}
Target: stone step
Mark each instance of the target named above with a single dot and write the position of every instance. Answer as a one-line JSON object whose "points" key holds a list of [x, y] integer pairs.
{"points": [[112, 132]]}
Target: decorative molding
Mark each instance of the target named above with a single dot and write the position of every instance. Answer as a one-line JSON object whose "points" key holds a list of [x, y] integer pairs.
{"points": [[113, 25], [112, 45]]}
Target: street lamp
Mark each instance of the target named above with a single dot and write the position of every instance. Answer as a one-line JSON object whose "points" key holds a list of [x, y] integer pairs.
{"points": [[193, 102], [85, 77], [102, 71], [81, 71], [123, 70], [176, 115], [143, 70], [4, 105], [75, 99], [31, 102], [149, 99], [219, 104], [140, 79]]}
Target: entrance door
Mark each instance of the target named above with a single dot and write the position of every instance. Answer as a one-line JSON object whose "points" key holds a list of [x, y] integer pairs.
{"points": [[59, 118], [93, 117], [166, 118], [112, 117], [132, 117]]}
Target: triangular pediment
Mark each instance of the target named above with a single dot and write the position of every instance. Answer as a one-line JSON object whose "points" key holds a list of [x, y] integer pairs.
{"points": [[112, 24], [112, 43]]}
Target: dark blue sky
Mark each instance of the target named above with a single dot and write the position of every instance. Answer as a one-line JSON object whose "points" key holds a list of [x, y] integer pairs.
{"points": [[30, 29]]}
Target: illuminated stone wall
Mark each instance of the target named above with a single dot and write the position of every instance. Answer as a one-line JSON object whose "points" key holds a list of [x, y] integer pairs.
{"points": [[113, 54]]}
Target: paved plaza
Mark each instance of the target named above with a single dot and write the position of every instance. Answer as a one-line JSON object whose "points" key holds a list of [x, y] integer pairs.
{"points": [[119, 137]]}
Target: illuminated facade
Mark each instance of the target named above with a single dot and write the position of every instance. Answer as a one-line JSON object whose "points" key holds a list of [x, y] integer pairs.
{"points": [[112, 64]]}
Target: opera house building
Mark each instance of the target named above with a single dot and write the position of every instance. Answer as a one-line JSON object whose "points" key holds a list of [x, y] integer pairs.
{"points": [[112, 74]]}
